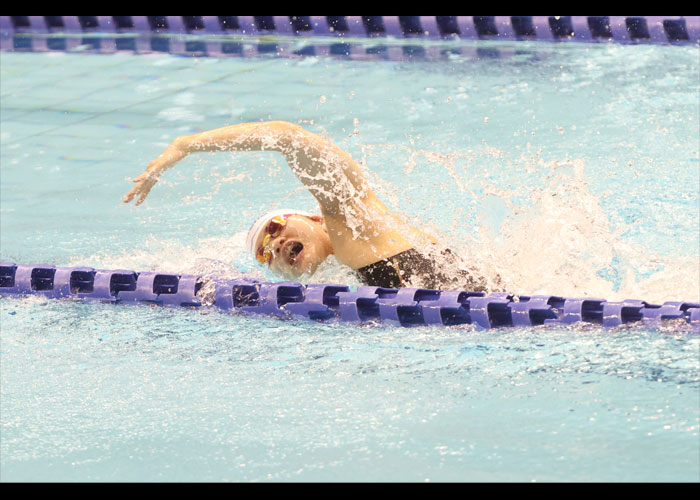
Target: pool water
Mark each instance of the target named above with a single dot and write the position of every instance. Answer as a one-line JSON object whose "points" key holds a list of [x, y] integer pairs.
{"points": [[567, 169]]}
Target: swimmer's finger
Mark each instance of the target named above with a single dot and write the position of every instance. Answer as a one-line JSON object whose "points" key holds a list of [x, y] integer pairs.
{"points": [[144, 182], [132, 194], [128, 196], [144, 189], [142, 198]]}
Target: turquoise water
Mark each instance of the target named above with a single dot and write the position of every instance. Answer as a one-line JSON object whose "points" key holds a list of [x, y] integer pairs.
{"points": [[567, 169]]}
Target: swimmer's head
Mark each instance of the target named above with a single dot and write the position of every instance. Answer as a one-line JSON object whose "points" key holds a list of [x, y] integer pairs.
{"points": [[290, 242]]}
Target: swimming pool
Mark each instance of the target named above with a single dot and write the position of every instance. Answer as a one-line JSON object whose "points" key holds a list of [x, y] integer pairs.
{"points": [[567, 169]]}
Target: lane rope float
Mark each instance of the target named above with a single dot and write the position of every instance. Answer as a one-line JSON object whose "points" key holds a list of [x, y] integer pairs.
{"points": [[404, 307]]}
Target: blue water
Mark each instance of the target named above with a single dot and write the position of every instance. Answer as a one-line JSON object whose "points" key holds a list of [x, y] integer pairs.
{"points": [[568, 169]]}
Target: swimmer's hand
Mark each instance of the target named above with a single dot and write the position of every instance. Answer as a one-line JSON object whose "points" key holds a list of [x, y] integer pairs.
{"points": [[144, 182]]}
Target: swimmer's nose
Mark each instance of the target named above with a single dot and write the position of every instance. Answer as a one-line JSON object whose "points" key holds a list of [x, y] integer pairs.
{"points": [[277, 244]]}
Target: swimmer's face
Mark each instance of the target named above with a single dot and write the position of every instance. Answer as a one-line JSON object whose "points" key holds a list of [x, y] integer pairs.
{"points": [[301, 246]]}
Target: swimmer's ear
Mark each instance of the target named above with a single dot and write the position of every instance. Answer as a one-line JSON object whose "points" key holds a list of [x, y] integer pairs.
{"points": [[320, 219]]}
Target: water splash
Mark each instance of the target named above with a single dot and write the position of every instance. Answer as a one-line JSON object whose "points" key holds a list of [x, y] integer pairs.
{"points": [[550, 236]]}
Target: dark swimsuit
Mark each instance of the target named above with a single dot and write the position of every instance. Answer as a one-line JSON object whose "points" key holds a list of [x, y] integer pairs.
{"points": [[411, 266]]}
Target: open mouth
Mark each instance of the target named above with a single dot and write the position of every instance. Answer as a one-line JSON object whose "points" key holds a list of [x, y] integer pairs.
{"points": [[293, 251]]}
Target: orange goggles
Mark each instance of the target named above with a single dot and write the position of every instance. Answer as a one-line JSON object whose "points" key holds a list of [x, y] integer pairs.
{"points": [[273, 230]]}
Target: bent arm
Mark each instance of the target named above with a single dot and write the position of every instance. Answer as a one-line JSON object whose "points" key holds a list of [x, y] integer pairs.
{"points": [[329, 173]]}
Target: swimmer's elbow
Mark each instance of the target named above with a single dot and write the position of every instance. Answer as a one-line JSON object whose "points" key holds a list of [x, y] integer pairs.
{"points": [[294, 138], [281, 126], [292, 130]]}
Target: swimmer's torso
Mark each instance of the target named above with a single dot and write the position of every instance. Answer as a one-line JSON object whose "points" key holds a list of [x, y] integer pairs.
{"points": [[368, 232]]}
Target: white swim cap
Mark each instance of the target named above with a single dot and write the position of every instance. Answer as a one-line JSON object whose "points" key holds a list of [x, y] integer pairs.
{"points": [[261, 224]]}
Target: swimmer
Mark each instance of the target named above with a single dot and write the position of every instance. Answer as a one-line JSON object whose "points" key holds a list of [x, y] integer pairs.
{"points": [[354, 225]]}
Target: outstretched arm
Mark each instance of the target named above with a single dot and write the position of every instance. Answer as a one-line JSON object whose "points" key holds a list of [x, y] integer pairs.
{"points": [[329, 173]]}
